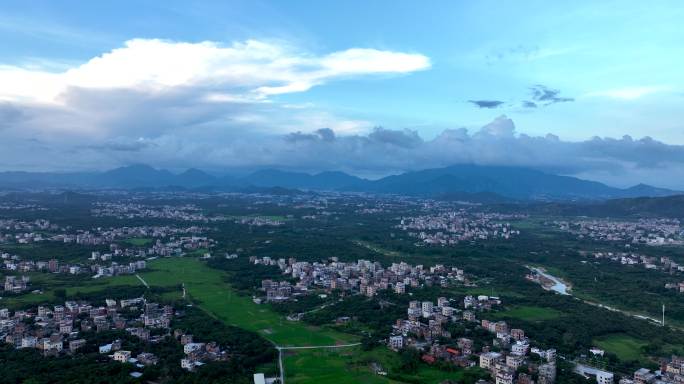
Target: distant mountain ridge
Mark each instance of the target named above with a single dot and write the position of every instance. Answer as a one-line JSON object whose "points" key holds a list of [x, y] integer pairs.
{"points": [[458, 182]]}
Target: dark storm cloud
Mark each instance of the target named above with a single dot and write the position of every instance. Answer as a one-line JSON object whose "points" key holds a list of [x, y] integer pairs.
{"points": [[490, 104], [325, 134], [545, 95], [405, 138], [9, 114]]}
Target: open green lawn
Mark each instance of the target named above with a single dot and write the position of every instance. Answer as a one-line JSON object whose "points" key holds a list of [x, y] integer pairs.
{"points": [[624, 346], [374, 248], [206, 287], [330, 366], [352, 365], [139, 241], [529, 313]]}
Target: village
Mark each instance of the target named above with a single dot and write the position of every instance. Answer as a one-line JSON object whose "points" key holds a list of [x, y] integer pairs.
{"points": [[510, 357], [125, 210], [508, 354], [452, 227], [69, 329], [656, 232], [362, 277]]}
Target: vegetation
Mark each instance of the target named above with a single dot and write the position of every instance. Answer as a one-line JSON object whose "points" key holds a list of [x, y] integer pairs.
{"points": [[626, 347]]}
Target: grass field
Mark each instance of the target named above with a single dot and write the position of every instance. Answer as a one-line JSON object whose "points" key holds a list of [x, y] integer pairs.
{"points": [[529, 313], [139, 241], [624, 346], [374, 248], [206, 287], [330, 366], [352, 365]]}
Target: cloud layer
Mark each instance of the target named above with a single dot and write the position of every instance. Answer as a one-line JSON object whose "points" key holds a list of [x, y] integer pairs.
{"points": [[250, 69], [206, 105]]}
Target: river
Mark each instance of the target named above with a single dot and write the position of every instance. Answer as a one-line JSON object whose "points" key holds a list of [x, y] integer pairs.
{"points": [[559, 286]]}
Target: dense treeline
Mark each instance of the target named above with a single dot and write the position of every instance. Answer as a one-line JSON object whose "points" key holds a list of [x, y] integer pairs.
{"points": [[247, 348], [28, 366]]}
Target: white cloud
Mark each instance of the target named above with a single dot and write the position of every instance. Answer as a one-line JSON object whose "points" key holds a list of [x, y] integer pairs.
{"points": [[629, 93], [251, 68]]}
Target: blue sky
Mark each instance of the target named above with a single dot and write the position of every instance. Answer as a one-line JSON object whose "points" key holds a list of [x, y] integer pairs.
{"points": [[605, 69]]}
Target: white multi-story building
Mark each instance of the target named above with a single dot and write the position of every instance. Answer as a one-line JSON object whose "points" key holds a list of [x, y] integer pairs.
{"points": [[191, 347], [488, 359], [520, 348], [122, 356], [396, 342], [427, 308]]}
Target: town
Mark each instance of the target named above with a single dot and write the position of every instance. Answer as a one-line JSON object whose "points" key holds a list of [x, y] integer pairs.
{"points": [[654, 232], [71, 328], [363, 277], [452, 227]]}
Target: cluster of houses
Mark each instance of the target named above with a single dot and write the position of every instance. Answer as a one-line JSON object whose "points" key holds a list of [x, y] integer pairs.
{"points": [[65, 329], [14, 263], [451, 227], [663, 263], [16, 284], [643, 231], [196, 353], [426, 326], [15, 225], [7, 206], [362, 277], [425, 329], [172, 245], [176, 240], [24, 232], [123, 210], [671, 371], [426, 322], [100, 236], [259, 221], [61, 329]]}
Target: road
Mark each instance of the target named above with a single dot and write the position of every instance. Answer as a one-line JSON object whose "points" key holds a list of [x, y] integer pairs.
{"points": [[281, 349], [142, 281]]}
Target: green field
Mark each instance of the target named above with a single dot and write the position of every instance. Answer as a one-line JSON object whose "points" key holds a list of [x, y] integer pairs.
{"points": [[529, 313], [352, 365], [374, 248], [206, 287], [626, 347], [139, 241], [330, 366]]}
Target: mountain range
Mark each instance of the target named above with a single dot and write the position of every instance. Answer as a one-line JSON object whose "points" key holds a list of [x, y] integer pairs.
{"points": [[458, 182]]}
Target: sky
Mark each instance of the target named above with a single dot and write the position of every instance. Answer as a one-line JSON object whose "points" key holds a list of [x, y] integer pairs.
{"points": [[584, 88]]}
